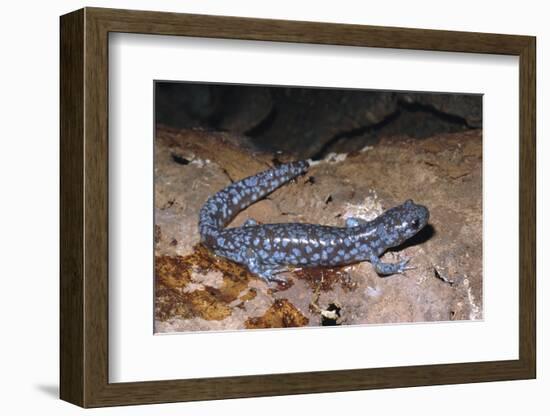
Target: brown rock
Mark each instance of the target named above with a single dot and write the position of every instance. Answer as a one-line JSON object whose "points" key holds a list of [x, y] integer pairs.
{"points": [[442, 172]]}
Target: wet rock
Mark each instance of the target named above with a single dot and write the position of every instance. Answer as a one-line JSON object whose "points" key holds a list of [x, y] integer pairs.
{"points": [[196, 290]]}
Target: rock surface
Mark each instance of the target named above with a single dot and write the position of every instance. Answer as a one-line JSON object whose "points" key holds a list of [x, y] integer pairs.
{"points": [[196, 290]]}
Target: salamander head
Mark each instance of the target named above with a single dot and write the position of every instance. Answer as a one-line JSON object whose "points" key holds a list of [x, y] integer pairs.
{"points": [[400, 223]]}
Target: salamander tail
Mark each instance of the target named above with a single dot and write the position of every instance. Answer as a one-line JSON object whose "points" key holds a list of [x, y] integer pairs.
{"points": [[222, 207]]}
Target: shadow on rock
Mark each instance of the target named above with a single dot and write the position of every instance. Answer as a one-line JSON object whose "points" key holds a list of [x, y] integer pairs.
{"points": [[424, 235]]}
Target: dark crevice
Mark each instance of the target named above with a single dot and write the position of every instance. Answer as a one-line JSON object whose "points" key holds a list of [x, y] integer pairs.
{"points": [[359, 131], [329, 321], [429, 109], [180, 160], [401, 108], [442, 277], [226, 173]]}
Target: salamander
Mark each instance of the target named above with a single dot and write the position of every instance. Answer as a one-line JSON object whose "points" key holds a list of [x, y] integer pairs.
{"points": [[269, 249]]}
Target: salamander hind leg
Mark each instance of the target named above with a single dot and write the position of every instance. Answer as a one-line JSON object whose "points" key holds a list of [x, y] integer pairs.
{"points": [[387, 269], [267, 272]]}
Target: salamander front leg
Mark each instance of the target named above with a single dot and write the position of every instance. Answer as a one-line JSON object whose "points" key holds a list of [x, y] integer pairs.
{"points": [[387, 269]]}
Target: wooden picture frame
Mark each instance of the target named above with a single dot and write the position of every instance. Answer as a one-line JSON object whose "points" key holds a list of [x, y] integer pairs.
{"points": [[84, 207]]}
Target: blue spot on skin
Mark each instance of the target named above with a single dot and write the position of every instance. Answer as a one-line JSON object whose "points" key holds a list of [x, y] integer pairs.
{"points": [[308, 249], [341, 252], [315, 257], [324, 255], [351, 222], [303, 261], [296, 252], [256, 241]]}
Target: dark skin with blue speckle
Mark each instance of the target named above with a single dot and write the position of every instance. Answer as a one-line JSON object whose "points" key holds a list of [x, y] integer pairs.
{"points": [[270, 249]]}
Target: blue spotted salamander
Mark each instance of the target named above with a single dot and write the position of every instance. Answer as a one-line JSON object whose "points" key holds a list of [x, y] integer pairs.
{"points": [[270, 249]]}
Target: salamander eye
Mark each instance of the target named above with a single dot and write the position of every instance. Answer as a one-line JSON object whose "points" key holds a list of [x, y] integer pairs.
{"points": [[415, 223]]}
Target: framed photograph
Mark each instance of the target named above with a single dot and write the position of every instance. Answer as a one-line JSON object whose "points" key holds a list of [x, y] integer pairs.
{"points": [[255, 207]]}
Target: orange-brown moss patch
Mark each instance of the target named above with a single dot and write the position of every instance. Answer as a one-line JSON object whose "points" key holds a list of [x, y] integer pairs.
{"points": [[282, 314], [178, 295], [251, 294]]}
